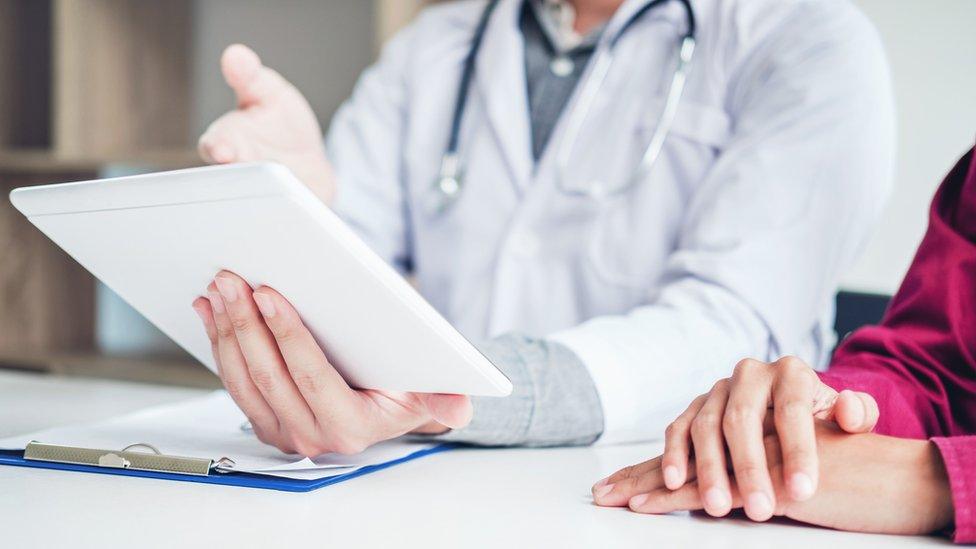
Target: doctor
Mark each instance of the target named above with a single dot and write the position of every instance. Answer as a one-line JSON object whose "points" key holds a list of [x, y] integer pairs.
{"points": [[617, 198]]}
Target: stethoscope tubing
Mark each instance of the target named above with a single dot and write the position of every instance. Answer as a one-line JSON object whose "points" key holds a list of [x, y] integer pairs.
{"points": [[449, 181]]}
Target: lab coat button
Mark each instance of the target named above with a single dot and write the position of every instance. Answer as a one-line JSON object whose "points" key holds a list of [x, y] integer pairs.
{"points": [[525, 245], [562, 66]]}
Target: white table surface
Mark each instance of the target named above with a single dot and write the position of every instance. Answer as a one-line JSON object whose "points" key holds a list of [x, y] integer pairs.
{"points": [[464, 498]]}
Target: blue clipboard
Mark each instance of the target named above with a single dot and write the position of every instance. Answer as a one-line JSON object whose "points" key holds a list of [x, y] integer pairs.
{"points": [[246, 480]]}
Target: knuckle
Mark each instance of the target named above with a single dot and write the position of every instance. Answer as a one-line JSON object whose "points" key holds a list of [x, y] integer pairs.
{"points": [[225, 331], [750, 471], [793, 410], [308, 448], [284, 332], [706, 422], [236, 388], [738, 415], [240, 324], [348, 445], [264, 379], [308, 382], [746, 365], [790, 363]]}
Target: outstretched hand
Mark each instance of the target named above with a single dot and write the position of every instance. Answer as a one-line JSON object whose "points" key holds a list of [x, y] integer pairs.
{"points": [[272, 122]]}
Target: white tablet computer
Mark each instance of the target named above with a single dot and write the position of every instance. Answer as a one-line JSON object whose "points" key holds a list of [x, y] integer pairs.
{"points": [[157, 240]]}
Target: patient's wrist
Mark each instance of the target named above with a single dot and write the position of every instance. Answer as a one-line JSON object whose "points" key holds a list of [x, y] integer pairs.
{"points": [[936, 477]]}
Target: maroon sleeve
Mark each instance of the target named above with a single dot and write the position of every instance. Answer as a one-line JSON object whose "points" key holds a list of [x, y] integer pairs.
{"points": [[958, 454], [920, 363]]}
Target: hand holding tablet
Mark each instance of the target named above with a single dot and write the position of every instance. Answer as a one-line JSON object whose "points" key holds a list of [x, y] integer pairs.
{"points": [[353, 355], [295, 400]]}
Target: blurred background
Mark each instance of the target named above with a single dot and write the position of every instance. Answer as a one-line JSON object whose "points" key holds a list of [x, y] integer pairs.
{"points": [[93, 88]]}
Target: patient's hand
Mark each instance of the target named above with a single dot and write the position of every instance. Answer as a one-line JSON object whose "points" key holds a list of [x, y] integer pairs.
{"points": [[868, 483], [282, 381], [272, 121]]}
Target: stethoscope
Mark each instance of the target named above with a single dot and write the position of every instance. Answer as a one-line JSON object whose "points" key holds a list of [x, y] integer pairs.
{"points": [[450, 180]]}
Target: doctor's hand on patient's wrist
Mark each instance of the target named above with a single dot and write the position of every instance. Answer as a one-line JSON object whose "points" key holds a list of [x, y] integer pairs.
{"points": [[731, 420], [867, 483], [282, 381], [272, 122]]}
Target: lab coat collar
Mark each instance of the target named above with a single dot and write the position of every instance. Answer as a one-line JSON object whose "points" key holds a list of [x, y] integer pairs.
{"points": [[500, 74]]}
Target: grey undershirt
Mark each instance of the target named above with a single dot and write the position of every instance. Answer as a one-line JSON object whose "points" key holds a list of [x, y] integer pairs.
{"points": [[547, 55], [555, 401]]}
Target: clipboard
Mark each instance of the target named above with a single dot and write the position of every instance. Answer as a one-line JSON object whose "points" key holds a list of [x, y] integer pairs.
{"points": [[246, 480]]}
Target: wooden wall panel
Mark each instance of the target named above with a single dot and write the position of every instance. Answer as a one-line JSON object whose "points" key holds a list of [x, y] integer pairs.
{"points": [[25, 73], [47, 300], [121, 76]]}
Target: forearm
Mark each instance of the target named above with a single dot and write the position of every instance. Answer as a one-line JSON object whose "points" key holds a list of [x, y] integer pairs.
{"points": [[555, 402]]}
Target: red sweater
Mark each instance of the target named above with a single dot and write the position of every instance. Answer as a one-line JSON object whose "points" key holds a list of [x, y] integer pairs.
{"points": [[920, 362]]}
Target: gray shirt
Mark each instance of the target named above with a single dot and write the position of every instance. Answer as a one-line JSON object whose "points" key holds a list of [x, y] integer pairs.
{"points": [[554, 64]]}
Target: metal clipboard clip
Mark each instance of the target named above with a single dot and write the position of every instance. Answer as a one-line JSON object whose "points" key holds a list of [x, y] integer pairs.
{"points": [[126, 458]]}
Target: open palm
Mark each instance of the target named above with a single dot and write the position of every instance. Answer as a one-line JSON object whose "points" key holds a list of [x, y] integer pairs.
{"points": [[272, 122]]}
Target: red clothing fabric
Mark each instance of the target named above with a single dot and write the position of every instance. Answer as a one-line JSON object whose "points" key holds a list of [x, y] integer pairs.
{"points": [[920, 362]]}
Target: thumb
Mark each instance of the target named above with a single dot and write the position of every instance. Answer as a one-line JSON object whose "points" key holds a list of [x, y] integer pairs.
{"points": [[855, 412], [252, 82], [452, 411]]}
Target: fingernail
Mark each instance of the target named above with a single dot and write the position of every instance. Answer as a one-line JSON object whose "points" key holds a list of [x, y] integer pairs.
{"points": [[716, 500], [671, 477], [265, 305], [602, 490], [601, 482], [638, 501], [216, 303], [758, 506], [801, 486], [227, 289]]}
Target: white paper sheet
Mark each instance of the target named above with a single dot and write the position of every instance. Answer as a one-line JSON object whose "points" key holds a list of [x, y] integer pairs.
{"points": [[209, 427]]}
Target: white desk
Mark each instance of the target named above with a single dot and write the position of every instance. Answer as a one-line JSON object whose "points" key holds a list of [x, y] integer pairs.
{"points": [[479, 498]]}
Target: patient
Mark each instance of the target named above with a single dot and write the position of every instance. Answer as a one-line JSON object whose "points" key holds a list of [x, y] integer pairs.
{"points": [[777, 439]]}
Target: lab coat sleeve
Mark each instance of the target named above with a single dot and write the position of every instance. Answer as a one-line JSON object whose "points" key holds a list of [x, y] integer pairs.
{"points": [[784, 210], [364, 144]]}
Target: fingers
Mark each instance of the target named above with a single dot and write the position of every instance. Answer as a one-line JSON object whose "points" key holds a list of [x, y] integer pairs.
{"points": [[794, 393], [742, 425], [686, 498], [252, 82], [316, 379], [855, 412], [263, 361], [347, 423], [233, 371], [451, 411], [706, 435], [677, 439], [619, 492]]}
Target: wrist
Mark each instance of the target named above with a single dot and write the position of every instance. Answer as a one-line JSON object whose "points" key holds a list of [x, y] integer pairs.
{"points": [[936, 487]]}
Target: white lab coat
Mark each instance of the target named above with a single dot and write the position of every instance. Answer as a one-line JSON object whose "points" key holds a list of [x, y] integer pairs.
{"points": [[775, 171]]}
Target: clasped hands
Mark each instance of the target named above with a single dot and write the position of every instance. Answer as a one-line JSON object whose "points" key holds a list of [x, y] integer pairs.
{"points": [[294, 398], [776, 441]]}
